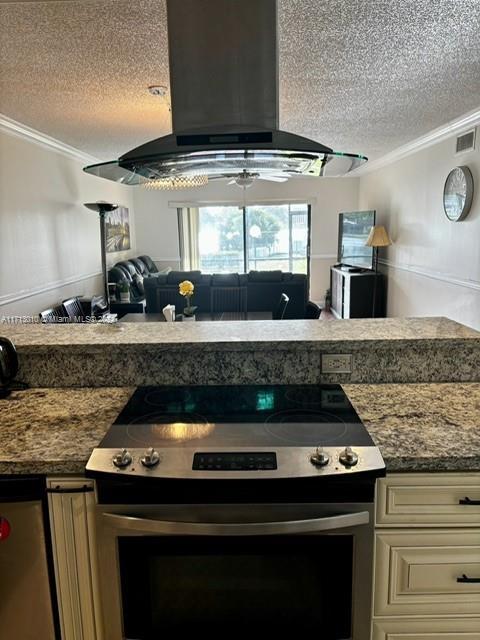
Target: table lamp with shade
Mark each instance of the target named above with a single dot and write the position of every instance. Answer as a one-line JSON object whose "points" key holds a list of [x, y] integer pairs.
{"points": [[378, 237], [103, 208]]}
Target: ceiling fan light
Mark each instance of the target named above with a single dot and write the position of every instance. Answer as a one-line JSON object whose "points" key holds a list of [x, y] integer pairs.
{"points": [[177, 182]]}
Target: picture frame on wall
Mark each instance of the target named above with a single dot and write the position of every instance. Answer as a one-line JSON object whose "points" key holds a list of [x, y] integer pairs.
{"points": [[117, 230]]}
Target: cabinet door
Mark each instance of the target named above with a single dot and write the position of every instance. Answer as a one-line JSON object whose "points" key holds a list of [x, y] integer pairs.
{"points": [[431, 629], [413, 500], [417, 572], [71, 506]]}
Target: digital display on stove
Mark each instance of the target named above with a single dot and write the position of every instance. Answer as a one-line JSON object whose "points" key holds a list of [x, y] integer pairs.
{"points": [[231, 461]]}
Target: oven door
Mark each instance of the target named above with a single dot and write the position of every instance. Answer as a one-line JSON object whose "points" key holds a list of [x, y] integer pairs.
{"points": [[231, 569]]}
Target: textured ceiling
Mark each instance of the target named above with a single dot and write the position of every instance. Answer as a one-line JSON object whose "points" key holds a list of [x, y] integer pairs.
{"points": [[359, 75]]}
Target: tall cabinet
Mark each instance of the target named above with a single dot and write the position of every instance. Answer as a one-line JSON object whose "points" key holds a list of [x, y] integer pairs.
{"points": [[353, 293]]}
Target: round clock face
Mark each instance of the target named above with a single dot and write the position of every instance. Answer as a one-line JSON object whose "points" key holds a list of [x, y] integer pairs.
{"points": [[458, 194]]}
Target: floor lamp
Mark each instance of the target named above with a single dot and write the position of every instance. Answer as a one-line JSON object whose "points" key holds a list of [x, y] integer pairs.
{"points": [[378, 237], [102, 208]]}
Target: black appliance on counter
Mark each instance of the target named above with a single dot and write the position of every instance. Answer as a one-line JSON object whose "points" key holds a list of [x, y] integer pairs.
{"points": [[8, 365], [243, 508]]}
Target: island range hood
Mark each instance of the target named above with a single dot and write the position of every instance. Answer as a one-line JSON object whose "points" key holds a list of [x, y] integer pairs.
{"points": [[224, 94]]}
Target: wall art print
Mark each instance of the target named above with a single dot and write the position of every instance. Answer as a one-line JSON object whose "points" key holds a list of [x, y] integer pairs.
{"points": [[117, 229]]}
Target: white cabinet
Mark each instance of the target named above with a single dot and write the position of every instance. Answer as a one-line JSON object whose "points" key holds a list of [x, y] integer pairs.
{"points": [[427, 547], [426, 629], [428, 499], [71, 506]]}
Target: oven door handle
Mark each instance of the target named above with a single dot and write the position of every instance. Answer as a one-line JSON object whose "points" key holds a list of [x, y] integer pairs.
{"points": [[134, 525]]}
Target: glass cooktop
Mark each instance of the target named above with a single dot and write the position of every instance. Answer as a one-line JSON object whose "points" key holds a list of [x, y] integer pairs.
{"points": [[237, 416]]}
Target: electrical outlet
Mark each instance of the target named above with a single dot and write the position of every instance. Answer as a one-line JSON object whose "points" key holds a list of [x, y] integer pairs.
{"points": [[337, 362]]}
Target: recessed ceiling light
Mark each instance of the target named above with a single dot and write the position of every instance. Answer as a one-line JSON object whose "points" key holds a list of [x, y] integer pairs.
{"points": [[158, 90]]}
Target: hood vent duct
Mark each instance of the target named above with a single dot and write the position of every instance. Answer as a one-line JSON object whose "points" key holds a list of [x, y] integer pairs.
{"points": [[224, 95]]}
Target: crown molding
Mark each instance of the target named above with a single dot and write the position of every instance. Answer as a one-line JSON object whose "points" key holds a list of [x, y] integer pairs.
{"points": [[465, 122], [12, 127]]}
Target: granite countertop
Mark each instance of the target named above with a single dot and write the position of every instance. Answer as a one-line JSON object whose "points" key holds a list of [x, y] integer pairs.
{"points": [[422, 427], [37, 337], [418, 427], [54, 430]]}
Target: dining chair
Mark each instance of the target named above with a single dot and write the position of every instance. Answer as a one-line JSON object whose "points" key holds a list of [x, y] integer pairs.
{"points": [[312, 311], [52, 315], [73, 309], [228, 299], [279, 312]]}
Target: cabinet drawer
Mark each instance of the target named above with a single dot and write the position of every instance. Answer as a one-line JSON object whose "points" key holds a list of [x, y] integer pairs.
{"points": [[431, 629], [428, 500], [416, 572]]}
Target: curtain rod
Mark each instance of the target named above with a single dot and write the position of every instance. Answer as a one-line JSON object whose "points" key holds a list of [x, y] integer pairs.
{"points": [[180, 204]]}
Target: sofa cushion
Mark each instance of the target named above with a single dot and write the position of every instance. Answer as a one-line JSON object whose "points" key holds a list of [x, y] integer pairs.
{"points": [[299, 277], [225, 280], [155, 279], [287, 275], [175, 277], [265, 276], [140, 266], [149, 263], [116, 274], [127, 266]]}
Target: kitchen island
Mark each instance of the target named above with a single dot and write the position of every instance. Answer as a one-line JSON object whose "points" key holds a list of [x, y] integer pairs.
{"points": [[379, 350], [418, 427]]}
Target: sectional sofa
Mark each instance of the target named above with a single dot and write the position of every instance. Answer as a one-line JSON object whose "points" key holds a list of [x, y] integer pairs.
{"points": [[260, 289]]}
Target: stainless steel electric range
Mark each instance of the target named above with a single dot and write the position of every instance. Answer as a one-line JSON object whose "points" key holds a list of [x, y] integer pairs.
{"points": [[237, 432], [242, 507]]}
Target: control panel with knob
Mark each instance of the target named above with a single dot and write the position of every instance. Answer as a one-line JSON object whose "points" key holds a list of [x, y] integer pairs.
{"points": [[122, 459], [150, 458], [320, 458], [348, 457], [304, 462]]}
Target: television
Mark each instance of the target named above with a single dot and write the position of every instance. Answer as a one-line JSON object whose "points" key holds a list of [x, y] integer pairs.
{"points": [[353, 231]]}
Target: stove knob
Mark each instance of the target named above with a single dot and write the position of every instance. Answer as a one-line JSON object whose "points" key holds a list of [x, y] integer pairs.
{"points": [[151, 458], [320, 458], [122, 459], [348, 457]]}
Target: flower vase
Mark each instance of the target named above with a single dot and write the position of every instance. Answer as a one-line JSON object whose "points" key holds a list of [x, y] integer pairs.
{"points": [[188, 318]]}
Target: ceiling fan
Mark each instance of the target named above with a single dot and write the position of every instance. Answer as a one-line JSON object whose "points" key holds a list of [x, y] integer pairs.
{"points": [[246, 178]]}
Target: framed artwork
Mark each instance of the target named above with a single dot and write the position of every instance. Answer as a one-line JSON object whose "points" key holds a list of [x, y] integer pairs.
{"points": [[117, 230]]}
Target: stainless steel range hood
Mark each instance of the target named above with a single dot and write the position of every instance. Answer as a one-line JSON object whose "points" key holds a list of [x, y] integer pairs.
{"points": [[224, 94]]}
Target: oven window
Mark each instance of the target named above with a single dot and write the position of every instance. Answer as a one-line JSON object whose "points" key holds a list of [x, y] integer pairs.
{"points": [[232, 585]]}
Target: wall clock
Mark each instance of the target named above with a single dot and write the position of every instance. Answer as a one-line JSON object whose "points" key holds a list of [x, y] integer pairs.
{"points": [[458, 193]]}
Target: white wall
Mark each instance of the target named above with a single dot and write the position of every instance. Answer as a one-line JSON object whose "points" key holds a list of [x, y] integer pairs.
{"points": [[156, 220], [434, 264], [49, 242]]}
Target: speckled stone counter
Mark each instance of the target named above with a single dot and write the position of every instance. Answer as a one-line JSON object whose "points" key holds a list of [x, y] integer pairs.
{"points": [[54, 430], [288, 351], [418, 427], [422, 427]]}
